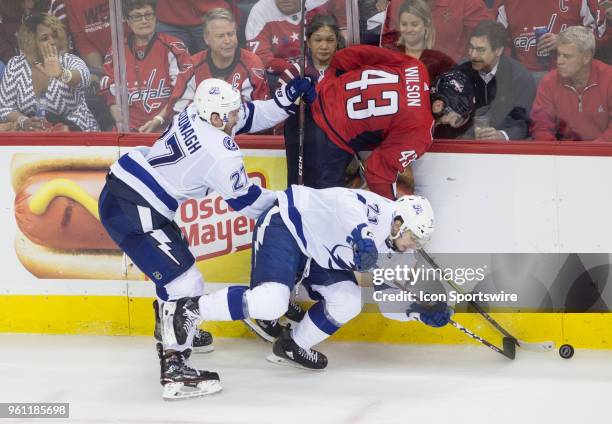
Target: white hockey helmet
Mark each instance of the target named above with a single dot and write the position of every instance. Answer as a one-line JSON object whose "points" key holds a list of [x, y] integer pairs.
{"points": [[216, 96], [417, 217]]}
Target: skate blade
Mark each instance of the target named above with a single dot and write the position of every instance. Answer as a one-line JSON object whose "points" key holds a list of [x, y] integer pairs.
{"points": [[178, 391], [258, 331], [287, 363], [203, 349]]}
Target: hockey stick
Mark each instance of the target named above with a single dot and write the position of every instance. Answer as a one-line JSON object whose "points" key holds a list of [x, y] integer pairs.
{"points": [[509, 350], [302, 107], [537, 347], [509, 343]]}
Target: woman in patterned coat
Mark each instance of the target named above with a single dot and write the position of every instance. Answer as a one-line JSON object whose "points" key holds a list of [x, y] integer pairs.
{"points": [[45, 84]]}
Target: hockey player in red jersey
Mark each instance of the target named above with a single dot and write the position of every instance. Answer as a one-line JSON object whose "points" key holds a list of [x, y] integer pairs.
{"points": [[375, 97]]}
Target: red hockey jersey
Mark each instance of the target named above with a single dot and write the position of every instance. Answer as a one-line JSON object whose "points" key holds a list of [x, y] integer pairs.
{"points": [[523, 16], [151, 76], [188, 12], [246, 73], [275, 37], [383, 96], [89, 24]]}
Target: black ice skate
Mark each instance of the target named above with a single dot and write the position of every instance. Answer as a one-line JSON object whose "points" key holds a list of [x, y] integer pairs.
{"points": [[180, 381], [202, 341], [266, 330], [286, 352], [294, 313], [180, 320], [271, 330]]}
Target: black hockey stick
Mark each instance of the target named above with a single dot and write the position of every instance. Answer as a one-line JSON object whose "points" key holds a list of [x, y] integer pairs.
{"points": [[538, 347], [509, 350], [302, 107], [509, 343]]}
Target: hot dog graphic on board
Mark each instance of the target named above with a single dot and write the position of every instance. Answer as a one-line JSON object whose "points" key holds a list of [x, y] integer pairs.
{"points": [[60, 235], [56, 208]]}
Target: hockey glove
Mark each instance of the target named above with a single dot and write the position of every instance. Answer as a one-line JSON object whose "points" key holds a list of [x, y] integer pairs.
{"points": [[437, 314], [286, 95], [365, 253]]}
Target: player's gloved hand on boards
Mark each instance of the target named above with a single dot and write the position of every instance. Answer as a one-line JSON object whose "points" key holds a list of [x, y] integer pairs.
{"points": [[437, 314], [365, 253], [286, 95]]}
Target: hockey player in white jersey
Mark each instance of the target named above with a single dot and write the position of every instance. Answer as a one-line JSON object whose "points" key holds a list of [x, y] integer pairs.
{"points": [[323, 236], [195, 156]]}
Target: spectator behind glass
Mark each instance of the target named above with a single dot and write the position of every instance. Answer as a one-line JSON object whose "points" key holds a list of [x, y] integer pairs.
{"points": [[12, 16], [184, 19], [504, 88], [574, 102], [153, 63], [418, 36], [5, 126], [89, 24], [273, 28], [323, 39], [521, 17], [45, 77], [604, 52], [454, 21], [224, 60]]}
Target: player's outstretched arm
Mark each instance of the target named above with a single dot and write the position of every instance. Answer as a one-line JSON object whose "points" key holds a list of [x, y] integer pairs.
{"points": [[263, 114], [230, 180]]}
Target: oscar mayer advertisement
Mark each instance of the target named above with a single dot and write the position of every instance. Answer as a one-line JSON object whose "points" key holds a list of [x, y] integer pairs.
{"points": [[59, 234]]}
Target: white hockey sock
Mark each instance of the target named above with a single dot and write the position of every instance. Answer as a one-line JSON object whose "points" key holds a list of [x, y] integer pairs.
{"points": [[307, 334], [215, 307]]}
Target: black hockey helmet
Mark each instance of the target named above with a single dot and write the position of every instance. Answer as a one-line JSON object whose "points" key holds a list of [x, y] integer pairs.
{"points": [[456, 90]]}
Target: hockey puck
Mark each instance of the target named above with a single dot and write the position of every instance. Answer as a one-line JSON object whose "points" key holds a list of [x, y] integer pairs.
{"points": [[566, 351]]}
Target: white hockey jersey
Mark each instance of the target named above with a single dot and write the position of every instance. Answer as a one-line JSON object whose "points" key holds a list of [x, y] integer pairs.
{"points": [[192, 159], [321, 221]]}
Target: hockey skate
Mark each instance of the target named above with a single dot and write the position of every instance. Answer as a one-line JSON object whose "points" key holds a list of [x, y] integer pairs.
{"points": [[180, 381], [286, 352], [271, 330], [202, 341]]}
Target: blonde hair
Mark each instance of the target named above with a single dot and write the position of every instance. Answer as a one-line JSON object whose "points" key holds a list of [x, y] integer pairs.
{"points": [[581, 36], [420, 9], [217, 13], [27, 36]]}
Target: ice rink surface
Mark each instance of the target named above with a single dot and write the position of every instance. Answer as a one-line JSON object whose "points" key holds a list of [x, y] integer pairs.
{"points": [[115, 379]]}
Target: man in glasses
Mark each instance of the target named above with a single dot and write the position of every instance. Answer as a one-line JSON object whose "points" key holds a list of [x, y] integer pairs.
{"points": [[503, 87]]}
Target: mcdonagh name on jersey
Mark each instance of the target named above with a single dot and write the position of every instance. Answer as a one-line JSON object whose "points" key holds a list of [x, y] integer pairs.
{"points": [[189, 136]]}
